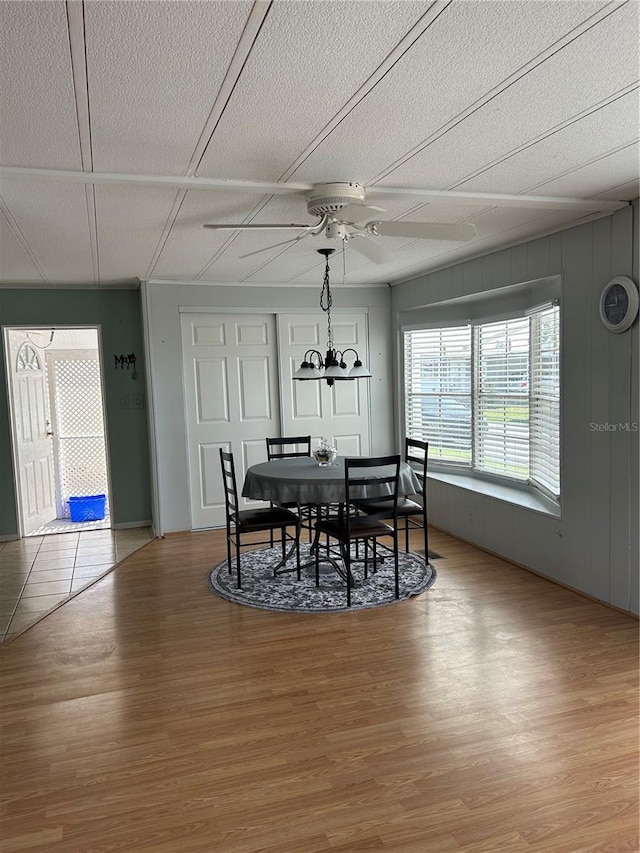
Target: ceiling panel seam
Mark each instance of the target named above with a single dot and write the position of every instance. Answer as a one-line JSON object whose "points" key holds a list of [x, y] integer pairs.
{"points": [[547, 133], [479, 252], [403, 46], [509, 81], [583, 165], [264, 264], [78, 53], [483, 210], [232, 237], [483, 239], [319, 266], [633, 183], [15, 228], [256, 19], [90, 197], [79, 75], [393, 57], [170, 222], [251, 31], [227, 243]]}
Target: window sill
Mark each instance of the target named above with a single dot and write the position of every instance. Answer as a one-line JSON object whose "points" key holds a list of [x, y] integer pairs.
{"points": [[498, 491]]}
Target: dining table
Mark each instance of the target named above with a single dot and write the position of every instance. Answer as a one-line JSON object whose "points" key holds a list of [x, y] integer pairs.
{"points": [[303, 481]]}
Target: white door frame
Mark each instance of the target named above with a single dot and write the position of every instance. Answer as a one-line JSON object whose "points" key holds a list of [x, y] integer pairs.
{"points": [[35, 327]]}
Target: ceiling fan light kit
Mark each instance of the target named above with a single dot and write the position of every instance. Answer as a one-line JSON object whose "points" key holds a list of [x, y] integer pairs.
{"points": [[333, 366]]}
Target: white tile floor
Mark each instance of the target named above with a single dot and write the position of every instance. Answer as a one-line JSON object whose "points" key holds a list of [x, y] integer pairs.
{"points": [[39, 572]]}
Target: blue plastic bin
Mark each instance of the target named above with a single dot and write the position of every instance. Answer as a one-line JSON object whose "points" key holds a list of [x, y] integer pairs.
{"points": [[87, 508]]}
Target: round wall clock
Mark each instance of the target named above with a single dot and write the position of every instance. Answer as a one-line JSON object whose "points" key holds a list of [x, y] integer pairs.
{"points": [[619, 304]]}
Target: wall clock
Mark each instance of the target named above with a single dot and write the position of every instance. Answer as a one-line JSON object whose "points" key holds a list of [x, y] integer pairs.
{"points": [[619, 304]]}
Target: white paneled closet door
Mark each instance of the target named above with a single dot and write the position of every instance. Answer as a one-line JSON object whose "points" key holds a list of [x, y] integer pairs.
{"points": [[231, 398], [339, 413]]}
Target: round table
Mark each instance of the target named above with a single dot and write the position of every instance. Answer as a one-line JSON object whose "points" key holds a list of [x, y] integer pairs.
{"points": [[301, 480]]}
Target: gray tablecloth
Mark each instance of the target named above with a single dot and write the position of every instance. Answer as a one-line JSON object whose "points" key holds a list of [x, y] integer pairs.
{"points": [[302, 480]]}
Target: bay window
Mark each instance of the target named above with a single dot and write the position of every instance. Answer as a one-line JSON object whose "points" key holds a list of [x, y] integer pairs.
{"points": [[486, 396]]}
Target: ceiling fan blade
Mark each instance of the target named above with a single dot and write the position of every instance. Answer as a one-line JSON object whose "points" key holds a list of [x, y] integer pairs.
{"points": [[358, 212], [243, 226], [370, 248], [274, 246], [426, 230]]}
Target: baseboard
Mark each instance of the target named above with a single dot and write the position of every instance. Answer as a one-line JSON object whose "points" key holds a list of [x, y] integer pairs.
{"points": [[538, 573], [126, 525]]}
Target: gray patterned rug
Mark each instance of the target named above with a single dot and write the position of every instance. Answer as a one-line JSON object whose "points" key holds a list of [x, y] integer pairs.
{"points": [[285, 592]]}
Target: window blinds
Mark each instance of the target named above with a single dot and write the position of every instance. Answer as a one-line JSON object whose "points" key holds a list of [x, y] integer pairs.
{"points": [[487, 397], [501, 398], [545, 400], [438, 391]]}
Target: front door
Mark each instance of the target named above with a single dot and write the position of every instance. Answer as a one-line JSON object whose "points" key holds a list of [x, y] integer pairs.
{"points": [[34, 447], [231, 400]]}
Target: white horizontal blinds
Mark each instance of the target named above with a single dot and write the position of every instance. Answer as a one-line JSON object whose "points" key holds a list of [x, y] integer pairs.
{"points": [[501, 397], [545, 400], [438, 391]]}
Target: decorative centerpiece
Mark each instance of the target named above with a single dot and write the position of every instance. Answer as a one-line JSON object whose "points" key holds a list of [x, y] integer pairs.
{"points": [[325, 453]]}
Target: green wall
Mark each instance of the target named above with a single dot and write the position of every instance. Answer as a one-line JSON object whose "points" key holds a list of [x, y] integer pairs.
{"points": [[118, 313]]}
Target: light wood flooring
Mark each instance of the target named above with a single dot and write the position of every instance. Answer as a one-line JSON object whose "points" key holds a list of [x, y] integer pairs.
{"points": [[495, 712], [39, 572]]}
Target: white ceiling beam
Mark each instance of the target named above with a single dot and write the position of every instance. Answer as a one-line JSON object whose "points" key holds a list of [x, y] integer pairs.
{"points": [[185, 182], [533, 202], [537, 202]]}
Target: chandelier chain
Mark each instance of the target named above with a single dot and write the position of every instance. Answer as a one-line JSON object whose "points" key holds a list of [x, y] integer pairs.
{"points": [[325, 303]]}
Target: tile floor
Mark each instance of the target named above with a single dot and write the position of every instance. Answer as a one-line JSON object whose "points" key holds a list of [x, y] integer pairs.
{"points": [[38, 572]]}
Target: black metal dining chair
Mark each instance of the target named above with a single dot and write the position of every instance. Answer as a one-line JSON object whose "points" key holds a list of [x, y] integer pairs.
{"points": [[240, 522], [288, 448], [412, 512], [297, 446], [349, 529]]}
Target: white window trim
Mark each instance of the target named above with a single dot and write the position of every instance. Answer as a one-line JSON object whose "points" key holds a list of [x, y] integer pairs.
{"points": [[530, 495]]}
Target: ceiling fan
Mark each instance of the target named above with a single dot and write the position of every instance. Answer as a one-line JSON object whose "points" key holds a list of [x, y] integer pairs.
{"points": [[343, 215]]}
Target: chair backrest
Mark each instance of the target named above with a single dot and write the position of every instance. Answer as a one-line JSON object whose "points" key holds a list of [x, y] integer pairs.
{"points": [[229, 483], [416, 453], [286, 448], [362, 490]]}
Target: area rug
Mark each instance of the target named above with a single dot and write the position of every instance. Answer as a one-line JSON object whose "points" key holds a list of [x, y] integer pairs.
{"points": [[286, 593]]}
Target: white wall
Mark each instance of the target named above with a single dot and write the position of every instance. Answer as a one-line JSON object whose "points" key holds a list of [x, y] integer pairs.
{"points": [[162, 302], [594, 546]]}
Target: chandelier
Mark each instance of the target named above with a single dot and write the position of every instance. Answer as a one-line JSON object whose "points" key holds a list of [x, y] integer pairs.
{"points": [[333, 366]]}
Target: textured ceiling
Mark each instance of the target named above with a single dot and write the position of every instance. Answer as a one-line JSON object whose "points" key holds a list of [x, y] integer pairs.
{"points": [[121, 121]]}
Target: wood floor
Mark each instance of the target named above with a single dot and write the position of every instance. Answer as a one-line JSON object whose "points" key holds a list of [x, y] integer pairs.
{"points": [[495, 712]]}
